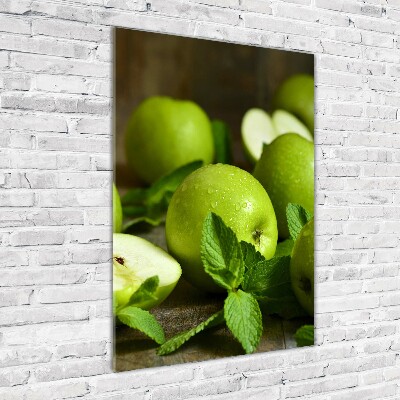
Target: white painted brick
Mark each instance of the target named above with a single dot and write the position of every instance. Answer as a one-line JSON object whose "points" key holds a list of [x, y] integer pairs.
{"points": [[37, 122], [35, 315], [15, 297], [44, 276], [97, 145], [46, 46], [62, 11], [36, 237], [19, 7], [197, 12], [10, 377], [65, 389], [70, 30], [258, 6], [320, 385], [96, 126], [59, 65], [81, 349], [366, 393], [84, 198], [71, 369], [14, 25]]}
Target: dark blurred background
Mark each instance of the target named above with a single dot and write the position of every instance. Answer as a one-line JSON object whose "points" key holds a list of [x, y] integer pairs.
{"points": [[225, 79]]}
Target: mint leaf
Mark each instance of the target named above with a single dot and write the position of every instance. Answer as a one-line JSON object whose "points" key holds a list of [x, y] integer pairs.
{"points": [[284, 248], [142, 320], [177, 341], [243, 318], [269, 281], [305, 336], [268, 277], [286, 307], [297, 217], [146, 291], [222, 142], [250, 255], [169, 183], [221, 253], [150, 205], [134, 197]]}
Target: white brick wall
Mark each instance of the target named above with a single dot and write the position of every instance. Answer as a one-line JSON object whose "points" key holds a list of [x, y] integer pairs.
{"points": [[55, 160]]}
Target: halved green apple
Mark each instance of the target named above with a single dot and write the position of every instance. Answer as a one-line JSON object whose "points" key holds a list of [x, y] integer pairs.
{"points": [[135, 260], [284, 122], [257, 128]]}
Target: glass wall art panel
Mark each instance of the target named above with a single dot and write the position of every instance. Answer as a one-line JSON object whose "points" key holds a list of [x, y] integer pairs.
{"points": [[213, 200]]}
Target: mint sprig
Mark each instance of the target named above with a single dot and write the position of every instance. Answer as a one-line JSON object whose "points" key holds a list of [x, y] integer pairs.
{"points": [[221, 253], [297, 217], [137, 318], [149, 205], [177, 341], [243, 318], [253, 283], [304, 336]]}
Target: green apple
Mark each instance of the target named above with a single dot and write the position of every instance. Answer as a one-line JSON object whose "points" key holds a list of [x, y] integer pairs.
{"points": [[296, 95], [302, 267], [236, 197], [117, 211], [257, 128], [135, 260], [164, 134], [284, 122], [286, 170]]}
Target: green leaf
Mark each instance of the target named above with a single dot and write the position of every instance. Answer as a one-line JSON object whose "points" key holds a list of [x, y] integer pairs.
{"points": [[286, 307], [134, 196], [305, 336], [221, 253], [146, 291], [177, 341], [297, 217], [269, 281], [134, 211], [169, 183], [243, 318], [284, 248], [142, 320], [269, 277], [250, 255], [150, 205], [222, 142]]}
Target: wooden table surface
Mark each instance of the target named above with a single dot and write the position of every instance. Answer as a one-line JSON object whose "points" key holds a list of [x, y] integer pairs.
{"points": [[183, 309]]}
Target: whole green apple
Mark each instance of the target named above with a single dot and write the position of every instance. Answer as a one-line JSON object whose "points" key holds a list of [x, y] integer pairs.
{"points": [[164, 134], [236, 197], [296, 95], [117, 211], [135, 260], [286, 170], [302, 267]]}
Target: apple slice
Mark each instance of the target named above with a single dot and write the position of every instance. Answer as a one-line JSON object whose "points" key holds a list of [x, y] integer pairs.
{"points": [[284, 122], [257, 129], [135, 260]]}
